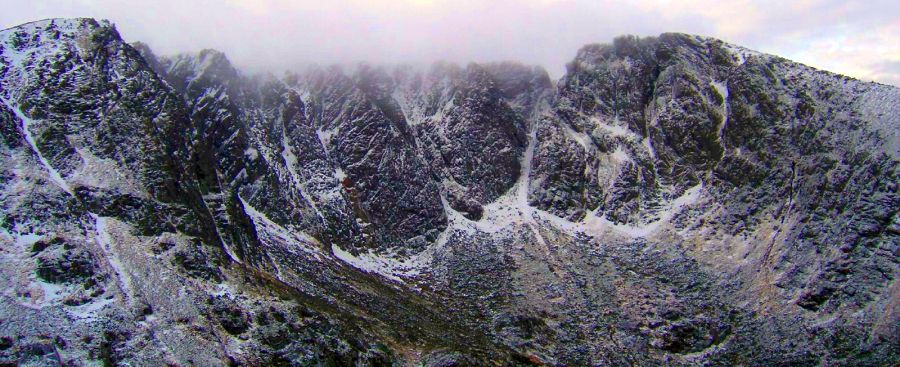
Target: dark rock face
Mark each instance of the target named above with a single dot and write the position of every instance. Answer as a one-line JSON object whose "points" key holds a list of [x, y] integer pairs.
{"points": [[63, 263], [471, 131], [648, 117], [670, 201], [387, 185]]}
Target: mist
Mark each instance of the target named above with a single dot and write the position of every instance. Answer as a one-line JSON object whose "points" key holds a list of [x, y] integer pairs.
{"points": [[856, 38]]}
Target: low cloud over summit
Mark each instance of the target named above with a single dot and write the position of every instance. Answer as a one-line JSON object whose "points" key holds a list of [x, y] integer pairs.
{"points": [[856, 38]]}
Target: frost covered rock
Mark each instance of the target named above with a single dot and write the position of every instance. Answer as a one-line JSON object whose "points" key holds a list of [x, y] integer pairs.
{"points": [[672, 200]]}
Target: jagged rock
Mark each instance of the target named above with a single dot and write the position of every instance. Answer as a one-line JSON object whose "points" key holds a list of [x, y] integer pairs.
{"points": [[672, 200], [229, 315]]}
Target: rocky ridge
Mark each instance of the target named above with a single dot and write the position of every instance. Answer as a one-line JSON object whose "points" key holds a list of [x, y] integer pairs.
{"points": [[672, 200]]}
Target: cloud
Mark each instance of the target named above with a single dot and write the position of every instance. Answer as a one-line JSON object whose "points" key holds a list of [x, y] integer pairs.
{"points": [[856, 38]]}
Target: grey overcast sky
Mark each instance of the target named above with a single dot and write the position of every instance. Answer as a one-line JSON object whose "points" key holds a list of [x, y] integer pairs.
{"points": [[856, 38]]}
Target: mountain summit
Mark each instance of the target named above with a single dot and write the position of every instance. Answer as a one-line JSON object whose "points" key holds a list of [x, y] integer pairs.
{"points": [[672, 200]]}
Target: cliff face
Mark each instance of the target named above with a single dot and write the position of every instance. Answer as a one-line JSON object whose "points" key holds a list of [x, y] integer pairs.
{"points": [[671, 200]]}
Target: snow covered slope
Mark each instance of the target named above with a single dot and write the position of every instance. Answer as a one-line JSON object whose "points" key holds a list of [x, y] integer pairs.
{"points": [[672, 200]]}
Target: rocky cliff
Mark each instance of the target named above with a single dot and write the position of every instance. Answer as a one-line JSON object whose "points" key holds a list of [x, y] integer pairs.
{"points": [[672, 200]]}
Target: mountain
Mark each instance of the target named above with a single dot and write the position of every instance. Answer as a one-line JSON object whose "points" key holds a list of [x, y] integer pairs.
{"points": [[672, 200]]}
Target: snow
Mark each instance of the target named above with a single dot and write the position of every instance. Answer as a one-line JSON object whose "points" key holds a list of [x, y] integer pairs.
{"points": [[88, 311], [21, 244], [385, 265], [290, 161], [104, 241], [228, 247], [25, 240], [513, 208], [620, 155], [197, 64], [52, 292], [325, 140], [17, 271], [581, 138], [722, 89], [598, 226], [251, 154], [649, 146], [615, 129], [42, 48], [224, 289], [26, 125], [441, 112], [231, 138], [16, 58], [524, 178], [339, 174], [455, 220], [414, 114], [593, 223], [271, 231], [325, 136], [741, 54], [505, 211], [217, 198], [105, 173]]}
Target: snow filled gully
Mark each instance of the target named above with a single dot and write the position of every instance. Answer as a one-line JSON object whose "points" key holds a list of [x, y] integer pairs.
{"points": [[26, 130]]}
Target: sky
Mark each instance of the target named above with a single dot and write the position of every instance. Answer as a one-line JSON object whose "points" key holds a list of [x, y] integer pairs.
{"points": [[856, 38]]}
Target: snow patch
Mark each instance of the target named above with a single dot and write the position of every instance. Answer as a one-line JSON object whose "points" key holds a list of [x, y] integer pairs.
{"points": [[385, 265], [620, 155], [325, 136], [649, 146], [441, 112], [739, 53], [593, 223], [25, 240], [580, 138], [722, 89], [513, 208], [455, 219], [52, 293], [339, 174], [290, 160], [412, 113], [104, 241], [615, 129], [105, 173], [224, 289], [274, 233], [88, 311], [251, 154]]}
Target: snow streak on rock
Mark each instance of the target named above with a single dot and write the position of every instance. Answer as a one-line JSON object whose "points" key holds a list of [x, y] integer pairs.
{"points": [[26, 130]]}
